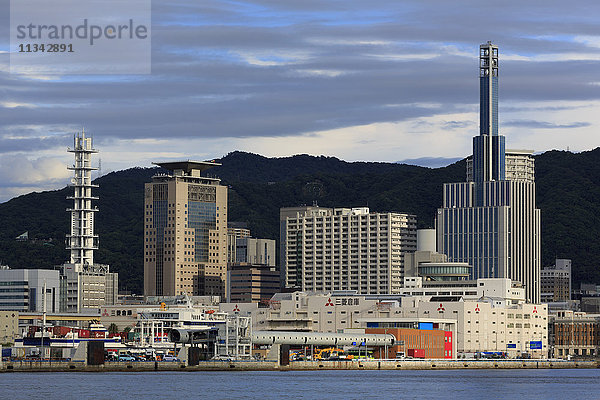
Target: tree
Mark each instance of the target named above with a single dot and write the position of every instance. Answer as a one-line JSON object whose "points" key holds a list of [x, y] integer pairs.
{"points": [[112, 328]]}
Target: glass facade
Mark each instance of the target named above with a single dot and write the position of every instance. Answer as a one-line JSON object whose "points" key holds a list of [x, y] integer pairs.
{"points": [[160, 209], [203, 218], [488, 111]]}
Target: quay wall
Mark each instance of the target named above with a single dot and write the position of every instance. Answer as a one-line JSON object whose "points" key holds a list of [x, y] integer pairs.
{"points": [[69, 366], [442, 364]]}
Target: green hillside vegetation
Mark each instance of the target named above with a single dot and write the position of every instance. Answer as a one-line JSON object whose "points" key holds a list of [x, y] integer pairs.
{"points": [[568, 186]]}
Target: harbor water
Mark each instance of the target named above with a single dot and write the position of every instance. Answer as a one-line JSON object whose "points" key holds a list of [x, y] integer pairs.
{"points": [[446, 384]]}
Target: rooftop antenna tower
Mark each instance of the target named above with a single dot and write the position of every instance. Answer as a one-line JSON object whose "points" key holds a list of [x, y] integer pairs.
{"points": [[81, 241]]}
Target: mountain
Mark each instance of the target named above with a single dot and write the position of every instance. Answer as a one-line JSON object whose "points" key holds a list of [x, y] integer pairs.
{"points": [[568, 186]]}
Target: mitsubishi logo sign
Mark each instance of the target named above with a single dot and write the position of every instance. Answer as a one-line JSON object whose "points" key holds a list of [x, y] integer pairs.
{"points": [[236, 309], [329, 303], [477, 308], [441, 308]]}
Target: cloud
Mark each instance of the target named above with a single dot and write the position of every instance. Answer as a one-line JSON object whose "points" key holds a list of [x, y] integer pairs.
{"points": [[545, 125], [395, 80], [20, 175]]}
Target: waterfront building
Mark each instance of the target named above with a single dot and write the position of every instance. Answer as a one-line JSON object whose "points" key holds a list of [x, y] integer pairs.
{"points": [[345, 249], [490, 222], [126, 315], [84, 284], [575, 334], [495, 319], [29, 290], [556, 282], [185, 232], [421, 338], [9, 326]]}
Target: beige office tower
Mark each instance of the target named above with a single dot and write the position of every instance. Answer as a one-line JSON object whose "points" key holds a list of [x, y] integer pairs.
{"points": [[185, 232], [345, 249]]}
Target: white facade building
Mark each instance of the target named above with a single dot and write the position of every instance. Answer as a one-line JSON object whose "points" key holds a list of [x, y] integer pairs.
{"points": [[23, 290], [499, 324], [345, 249]]}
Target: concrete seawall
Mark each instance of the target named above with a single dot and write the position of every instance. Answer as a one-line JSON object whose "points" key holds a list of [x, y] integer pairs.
{"points": [[68, 366], [442, 364]]}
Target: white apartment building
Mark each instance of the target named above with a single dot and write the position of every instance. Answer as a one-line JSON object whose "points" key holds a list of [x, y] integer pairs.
{"points": [[345, 249]]}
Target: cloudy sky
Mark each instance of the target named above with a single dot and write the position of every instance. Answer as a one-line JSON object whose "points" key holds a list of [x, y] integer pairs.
{"points": [[359, 80]]}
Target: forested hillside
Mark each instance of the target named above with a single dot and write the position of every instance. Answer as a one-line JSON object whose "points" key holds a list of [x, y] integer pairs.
{"points": [[568, 190]]}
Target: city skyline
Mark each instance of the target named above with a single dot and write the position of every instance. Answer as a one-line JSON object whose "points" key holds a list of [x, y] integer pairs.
{"points": [[354, 81]]}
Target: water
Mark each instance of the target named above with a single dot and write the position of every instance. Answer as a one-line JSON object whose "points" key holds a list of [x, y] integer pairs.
{"points": [[453, 384]]}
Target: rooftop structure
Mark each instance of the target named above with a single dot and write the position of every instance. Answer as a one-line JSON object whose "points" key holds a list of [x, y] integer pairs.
{"points": [[188, 167]]}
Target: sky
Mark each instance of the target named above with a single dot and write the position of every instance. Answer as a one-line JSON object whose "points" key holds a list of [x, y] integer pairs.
{"points": [[358, 80]]}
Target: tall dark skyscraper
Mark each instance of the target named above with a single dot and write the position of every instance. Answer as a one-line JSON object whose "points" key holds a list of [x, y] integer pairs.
{"points": [[491, 221], [488, 147]]}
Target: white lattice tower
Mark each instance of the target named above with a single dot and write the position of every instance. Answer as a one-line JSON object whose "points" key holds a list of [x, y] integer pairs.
{"points": [[81, 241]]}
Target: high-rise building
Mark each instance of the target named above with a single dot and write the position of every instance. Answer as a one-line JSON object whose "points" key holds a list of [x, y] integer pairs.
{"points": [[556, 282], [490, 221], [346, 249], [185, 232], [84, 283]]}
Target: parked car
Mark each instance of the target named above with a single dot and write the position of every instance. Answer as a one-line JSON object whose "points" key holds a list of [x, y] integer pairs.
{"points": [[169, 357], [126, 357], [222, 357]]}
